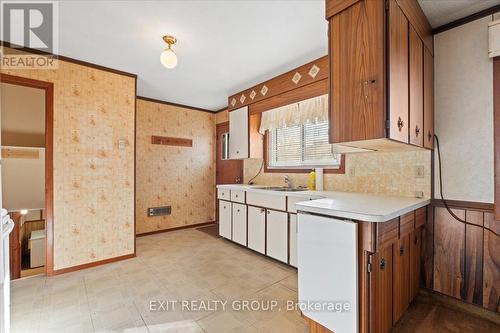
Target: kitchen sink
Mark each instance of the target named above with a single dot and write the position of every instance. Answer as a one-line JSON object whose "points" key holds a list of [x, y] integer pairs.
{"points": [[285, 189]]}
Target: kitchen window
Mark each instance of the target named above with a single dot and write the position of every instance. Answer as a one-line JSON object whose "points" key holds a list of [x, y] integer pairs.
{"points": [[302, 146]]}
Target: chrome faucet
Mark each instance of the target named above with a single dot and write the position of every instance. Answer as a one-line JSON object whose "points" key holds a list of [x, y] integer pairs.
{"points": [[288, 181]]}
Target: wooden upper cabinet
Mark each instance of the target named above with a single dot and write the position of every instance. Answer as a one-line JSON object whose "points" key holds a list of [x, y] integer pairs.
{"points": [[416, 89], [428, 100], [357, 75], [398, 74], [366, 41]]}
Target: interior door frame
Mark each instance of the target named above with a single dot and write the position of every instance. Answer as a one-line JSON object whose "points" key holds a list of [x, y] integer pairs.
{"points": [[48, 87]]}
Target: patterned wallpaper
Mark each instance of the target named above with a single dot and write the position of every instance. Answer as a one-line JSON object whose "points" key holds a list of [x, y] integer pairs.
{"points": [[182, 177], [93, 178], [391, 173]]}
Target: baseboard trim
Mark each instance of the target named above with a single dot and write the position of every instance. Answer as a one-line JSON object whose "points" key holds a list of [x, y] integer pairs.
{"points": [[175, 228], [459, 305], [90, 264]]}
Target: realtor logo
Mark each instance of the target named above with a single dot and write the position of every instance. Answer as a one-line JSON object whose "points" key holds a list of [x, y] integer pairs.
{"points": [[33, 25]]}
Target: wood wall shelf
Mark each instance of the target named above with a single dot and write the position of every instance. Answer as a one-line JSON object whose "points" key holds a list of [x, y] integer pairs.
{"points": [[169, 141]]}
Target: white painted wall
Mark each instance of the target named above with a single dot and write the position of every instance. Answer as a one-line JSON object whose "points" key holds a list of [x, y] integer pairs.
{"points": [[464, 112]]}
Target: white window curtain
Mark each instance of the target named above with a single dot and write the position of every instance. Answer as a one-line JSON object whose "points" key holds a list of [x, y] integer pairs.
{"points": [[309, 111]]}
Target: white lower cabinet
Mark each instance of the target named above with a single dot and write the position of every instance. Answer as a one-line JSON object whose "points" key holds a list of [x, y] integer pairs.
{"points": [[292, 242], [240, 223], [277, 235], [257, 229], [225, 219]]}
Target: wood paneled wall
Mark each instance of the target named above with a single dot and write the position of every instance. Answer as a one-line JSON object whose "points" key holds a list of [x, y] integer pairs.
{"points": [[463, 261]]}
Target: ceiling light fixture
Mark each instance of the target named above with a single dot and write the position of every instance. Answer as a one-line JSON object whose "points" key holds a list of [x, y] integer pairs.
{"points": [[168, 58]]}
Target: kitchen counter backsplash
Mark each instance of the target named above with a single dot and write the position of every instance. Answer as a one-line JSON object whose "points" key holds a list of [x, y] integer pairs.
{"points": [[390, 173]]}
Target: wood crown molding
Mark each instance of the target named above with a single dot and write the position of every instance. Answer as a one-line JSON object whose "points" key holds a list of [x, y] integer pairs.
{"points": [[313, 71], [467, 19], [194, 108], [67, 59]]}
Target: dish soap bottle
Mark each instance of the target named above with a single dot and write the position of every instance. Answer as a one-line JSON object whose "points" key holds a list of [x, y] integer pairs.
{"points": [[312, 180]]}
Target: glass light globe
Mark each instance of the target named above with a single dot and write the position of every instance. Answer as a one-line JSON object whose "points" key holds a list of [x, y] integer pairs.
{"points": [[168, 58]]}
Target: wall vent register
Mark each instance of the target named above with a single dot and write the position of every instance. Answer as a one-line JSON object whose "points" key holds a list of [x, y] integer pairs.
{"points": [[159, 211]]}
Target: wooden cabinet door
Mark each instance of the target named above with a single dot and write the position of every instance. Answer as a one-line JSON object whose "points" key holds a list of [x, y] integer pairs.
{"points": [[239, 223], [416, 89], [277, 235], [428, 99], [401, 277], [357, 73], [257, 229], [415, 253], [381, 290], [225, 216], [292, 240], [398, 73], [238, 133]]}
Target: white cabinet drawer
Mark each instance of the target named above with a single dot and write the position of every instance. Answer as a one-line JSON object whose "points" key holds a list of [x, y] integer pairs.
{"points": [[257, 229], [224, 194], [273, 201], [225, 217], [277, 235], [238, 196], [240, 223], [293, 200]]}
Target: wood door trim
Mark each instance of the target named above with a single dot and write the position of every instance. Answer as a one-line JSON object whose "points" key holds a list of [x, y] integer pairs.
{"points": [[49, 160], [496, 140], [92, 264]]}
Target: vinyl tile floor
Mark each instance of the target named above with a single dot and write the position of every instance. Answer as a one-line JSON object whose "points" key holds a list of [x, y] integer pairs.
{"points": [[152, 293]]}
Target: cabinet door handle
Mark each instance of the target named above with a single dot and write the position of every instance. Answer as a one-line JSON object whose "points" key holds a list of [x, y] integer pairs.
{"points": [[236, 195], [238, 210], [401, 250], [417, 130], [429, 135], [268, 212], [262, 210], [415, 241], [382, 264], [401, 123]]}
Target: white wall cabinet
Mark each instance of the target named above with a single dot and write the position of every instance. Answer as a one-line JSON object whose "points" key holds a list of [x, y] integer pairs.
{"points": [[277, 235], [292, 240], [238, 133], [225, 219], [239, 223], [257, 229]]}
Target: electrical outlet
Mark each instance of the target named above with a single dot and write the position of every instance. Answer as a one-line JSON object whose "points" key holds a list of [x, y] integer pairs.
{"points": [[419, 171]]}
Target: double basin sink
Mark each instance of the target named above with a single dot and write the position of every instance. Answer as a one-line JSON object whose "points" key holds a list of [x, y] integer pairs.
{"points": [[283, 188]]}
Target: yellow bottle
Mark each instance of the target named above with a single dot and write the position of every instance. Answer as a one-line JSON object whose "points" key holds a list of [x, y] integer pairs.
{"points": [[312, 180]]}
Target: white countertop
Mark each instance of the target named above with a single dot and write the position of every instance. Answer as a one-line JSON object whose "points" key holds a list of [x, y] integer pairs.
{"points": [[347, 205]]}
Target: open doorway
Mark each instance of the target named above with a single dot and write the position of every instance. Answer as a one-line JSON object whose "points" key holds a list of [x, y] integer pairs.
{"points": [[26, 148]]}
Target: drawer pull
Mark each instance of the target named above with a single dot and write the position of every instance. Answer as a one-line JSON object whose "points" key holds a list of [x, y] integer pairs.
{"points": [[238, 210]]}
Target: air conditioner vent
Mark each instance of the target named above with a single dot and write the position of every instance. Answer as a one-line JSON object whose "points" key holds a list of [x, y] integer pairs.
{"points": [[159, 211]]}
